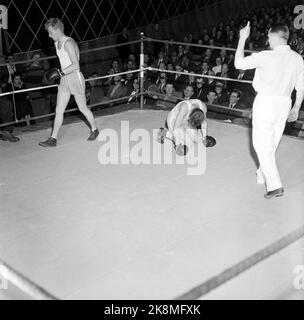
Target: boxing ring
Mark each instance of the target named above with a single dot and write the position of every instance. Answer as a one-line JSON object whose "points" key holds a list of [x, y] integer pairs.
{"points": [[73, 228]]}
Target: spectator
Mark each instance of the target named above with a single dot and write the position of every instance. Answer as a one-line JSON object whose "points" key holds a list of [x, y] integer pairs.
{"points": [[159, 60], [23, 105], [205, 68], [179, 79], [162, 82], [169, 99], [174, 58], [147, 59], [209, 56], [225, 74], [132, 57], [188, 92], [198, 50], [115, 66], [221, 94], [231, 41], [170, 76], [129, 77], [95, 89], [34, 71], [6, 112], [180, 54], [219, 41], [34, 78], [223, 55], [218, 66], [211, 96], [116, 91], [135, 91], [109, 82], [248, 93], [210, 82], [234, 103], [191, 80], [230, 62], [199, 90]]}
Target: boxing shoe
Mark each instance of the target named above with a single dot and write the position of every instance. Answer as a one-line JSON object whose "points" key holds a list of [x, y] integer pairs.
{"points": [[274, 194], [94, 134], [50, 142], [7, 136]]}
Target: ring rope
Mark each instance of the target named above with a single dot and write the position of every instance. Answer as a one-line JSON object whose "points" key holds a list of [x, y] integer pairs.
{"points": [[196, 45], [197, 75], [245, 111], [56, 85], [81, 52], [132, 71], [71, 110], [121, 99], [242, 266], [25, 285]]}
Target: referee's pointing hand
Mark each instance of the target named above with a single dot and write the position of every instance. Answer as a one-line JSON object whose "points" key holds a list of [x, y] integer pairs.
{"points": [[245, 32]]}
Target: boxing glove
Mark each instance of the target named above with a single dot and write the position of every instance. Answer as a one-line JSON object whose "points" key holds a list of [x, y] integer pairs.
{"points": [[50, 76], [209, 142]]}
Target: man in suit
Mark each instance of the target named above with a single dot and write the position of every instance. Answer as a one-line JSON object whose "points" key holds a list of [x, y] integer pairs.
{"points": [[248, 93], [179, 79], [205, 68], [118, 90], [200, 92], [221, 94], [188, 92], [235, 103]]}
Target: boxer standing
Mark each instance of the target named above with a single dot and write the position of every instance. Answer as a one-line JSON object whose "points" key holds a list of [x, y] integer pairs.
{"points": [[278, 72], [71, 80]]}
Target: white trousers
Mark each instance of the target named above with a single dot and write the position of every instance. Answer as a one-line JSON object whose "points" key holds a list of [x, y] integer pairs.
{"points": [[268, 122]]}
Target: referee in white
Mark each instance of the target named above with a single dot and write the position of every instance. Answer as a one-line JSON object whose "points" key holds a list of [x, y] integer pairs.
{"points": [[278, 72]]}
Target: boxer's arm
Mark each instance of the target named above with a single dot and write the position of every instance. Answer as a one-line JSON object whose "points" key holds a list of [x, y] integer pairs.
{"points": [[70, 47]]}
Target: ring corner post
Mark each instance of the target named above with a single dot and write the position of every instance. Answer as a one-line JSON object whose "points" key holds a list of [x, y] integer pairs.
{"points": [[141, 70]]}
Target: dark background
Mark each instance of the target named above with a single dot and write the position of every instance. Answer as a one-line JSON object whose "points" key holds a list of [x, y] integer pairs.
{"points": [[83, 21]]}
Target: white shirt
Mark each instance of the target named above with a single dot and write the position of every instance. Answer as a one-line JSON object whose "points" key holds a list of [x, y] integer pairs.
{"points": [[278, 71]]}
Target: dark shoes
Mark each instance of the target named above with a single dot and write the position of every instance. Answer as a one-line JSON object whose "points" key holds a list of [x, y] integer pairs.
{"points": [[94, 134], [7, 136], [50, 142], [274, 194]]}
